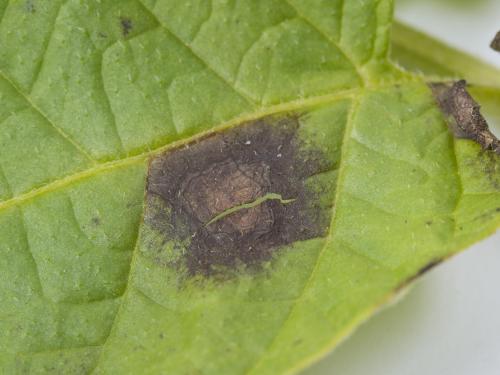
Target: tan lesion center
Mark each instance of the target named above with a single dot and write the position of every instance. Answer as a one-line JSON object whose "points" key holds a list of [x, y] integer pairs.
{"points": [[225, 186]]}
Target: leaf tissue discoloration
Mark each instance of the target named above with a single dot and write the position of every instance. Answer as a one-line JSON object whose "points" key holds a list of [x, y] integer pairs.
{"points": [[495, 44], [235, 197], [464, 115], [429, 267], [126, 25]]}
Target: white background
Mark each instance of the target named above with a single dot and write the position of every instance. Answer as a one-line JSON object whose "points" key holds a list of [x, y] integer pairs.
{"points": [[450, 322]]}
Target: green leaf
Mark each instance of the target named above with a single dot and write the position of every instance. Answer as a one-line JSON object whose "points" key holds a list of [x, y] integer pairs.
{"points": [[94, 93], [410, 49], [420, 53]]}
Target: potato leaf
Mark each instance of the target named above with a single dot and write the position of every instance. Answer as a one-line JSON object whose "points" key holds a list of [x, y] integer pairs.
{"points": [[216, 187], [421, 53], [410, 49]]}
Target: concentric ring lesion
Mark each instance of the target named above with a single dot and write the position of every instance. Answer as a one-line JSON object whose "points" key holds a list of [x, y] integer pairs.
{"points": [[234, 198]]}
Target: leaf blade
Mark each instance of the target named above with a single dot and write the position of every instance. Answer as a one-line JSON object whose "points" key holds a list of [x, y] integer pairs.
{"points": [[122, 96]]}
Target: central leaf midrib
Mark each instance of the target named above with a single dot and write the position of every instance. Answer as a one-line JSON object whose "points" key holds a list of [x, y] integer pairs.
{"points": [[139, 158], [353, 94]]}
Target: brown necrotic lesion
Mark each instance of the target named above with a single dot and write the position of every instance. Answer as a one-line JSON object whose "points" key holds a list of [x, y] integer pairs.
{"points": [[463, 114], [495, 44], [225, 186], [235, 197]]}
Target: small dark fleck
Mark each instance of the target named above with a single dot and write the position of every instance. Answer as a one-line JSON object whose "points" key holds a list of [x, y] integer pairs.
{"points": [[126, 24], [495, 44], [429, 266], [102, 35], [464, 115], [96, 220], [498, 209], [421, 272], [428, 223]]}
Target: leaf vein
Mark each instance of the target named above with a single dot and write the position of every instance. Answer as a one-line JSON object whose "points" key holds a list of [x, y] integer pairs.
{"points": [[39, 66], [28, 247], [206, 20], [329, 39], [245, 97], [107, 103], [59, 130], [347, 135], [3, 177], [390, 157], [139, 158], [250, 48]]}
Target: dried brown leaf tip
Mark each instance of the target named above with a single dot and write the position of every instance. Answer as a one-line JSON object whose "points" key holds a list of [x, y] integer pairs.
{"points": [[495, 44], [464, 114], [231, 200]]}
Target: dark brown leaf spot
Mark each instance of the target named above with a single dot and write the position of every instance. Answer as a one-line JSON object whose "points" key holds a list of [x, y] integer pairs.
{"points": [[223, 171], [126, 24], [464, 115], [495, 44]]}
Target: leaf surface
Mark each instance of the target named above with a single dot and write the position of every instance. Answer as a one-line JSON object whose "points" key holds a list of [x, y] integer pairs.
{"points": [[92, 92], [409, 49]]}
